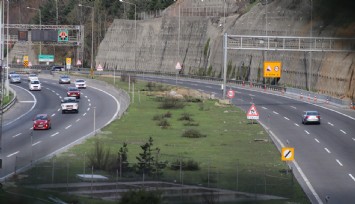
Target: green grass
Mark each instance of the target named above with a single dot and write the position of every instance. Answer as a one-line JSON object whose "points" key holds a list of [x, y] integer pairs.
{"points": [[226, 153], [7, 99]]}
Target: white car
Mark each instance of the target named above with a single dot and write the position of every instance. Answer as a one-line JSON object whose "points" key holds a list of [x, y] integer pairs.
{"points": [[34, 85], [32, 77], [70, 104], [80, 84]]}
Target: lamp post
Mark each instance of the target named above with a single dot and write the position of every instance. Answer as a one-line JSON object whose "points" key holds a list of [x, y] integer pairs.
{"points": [[40, 24], [310, 52], [135, 30], [92, 39]]}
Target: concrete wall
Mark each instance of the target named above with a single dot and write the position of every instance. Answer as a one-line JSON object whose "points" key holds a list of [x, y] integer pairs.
{"points": [[158, 43]]}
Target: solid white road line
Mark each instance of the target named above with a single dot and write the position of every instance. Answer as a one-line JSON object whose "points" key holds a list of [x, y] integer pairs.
{"points": [[306, 132], [17, 135], [326, 149], [275, 112], [286, 118], [351, 176], [36, 143], [12, 154], [316, 140], [55, 134], [343, 132], [330, 124], [68, 127], [339, 162]]}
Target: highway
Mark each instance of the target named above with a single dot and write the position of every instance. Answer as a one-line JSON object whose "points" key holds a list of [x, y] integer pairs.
{"points": [[21, 145], [324, 154]]}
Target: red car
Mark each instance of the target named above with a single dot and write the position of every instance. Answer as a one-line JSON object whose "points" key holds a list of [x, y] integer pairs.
{"points": [[42, 122], [73, 92]]}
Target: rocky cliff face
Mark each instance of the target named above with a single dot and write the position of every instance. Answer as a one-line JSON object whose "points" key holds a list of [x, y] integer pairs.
{"points": [[197, 44]]}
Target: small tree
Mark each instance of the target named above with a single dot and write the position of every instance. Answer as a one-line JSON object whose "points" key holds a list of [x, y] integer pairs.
{"points": [[141, 196], [122, 163]]}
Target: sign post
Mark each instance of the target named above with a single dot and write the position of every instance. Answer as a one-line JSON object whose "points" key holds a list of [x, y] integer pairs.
{"points": [[68, 62], [178, 68]]}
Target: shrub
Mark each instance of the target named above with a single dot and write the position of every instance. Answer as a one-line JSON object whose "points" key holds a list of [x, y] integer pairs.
{"points": [[189, 123], [151, 86], [164, 124], [100, 158], [141, 196], [167, 115], [189, 165], [192, 133], [192, 99], [171, 103], [186, 116]]}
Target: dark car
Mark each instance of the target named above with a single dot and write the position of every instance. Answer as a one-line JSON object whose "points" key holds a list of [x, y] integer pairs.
{"points": [[310, 117], [73, 92], [42, 122], [64, 79], [57, 68]]}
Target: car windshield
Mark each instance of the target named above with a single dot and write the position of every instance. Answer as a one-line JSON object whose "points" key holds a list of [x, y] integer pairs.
{"points": [[69, 99], [33, 75], [80, 80], [73, 89], [41, 117], [312, 113], [64, 77], [34, 82], [15, 76]]}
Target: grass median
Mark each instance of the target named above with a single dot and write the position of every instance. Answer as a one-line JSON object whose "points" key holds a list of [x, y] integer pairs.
{"points": [[230, 152]]}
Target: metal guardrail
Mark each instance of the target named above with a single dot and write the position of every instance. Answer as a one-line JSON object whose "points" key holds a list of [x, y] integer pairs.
{"points": [[11, 103]]}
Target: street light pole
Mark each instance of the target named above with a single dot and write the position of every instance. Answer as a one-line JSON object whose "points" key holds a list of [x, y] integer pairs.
{"points": [[40, 25], [92, 38], [135, 31], [310, 52]]}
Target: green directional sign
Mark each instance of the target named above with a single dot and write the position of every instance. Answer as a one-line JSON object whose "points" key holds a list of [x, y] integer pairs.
{"points": [[46, 58], [62, 35]]}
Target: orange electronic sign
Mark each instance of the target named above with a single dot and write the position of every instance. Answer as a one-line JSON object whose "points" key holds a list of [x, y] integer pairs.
{"points": [[272, 69]]}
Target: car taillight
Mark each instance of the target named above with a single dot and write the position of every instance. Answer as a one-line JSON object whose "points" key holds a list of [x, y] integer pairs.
{"points": [[318, 116], [307, 117]]}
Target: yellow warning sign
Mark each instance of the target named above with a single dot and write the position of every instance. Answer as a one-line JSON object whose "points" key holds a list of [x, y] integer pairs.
{"points": [[287, 154], [68, 60], [272, 69], [25, 58], [25, 64]]}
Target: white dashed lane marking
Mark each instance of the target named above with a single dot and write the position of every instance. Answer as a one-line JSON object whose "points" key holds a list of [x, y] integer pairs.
{"points": [[316, 140], [53, 114], [343, 132], [293, 107], [351, 176], [84, 114], [331, 124], [55, 134], [326, 149], [58, 109], [36, 143], [296, 124], [88, 109], [68, 127], [275, 112], [264, 108], [88, 99], [85, 96], [339, 162], [306, 132], [77, 120], [17, 135], [12, 154], [286, 118], [89, 104]]}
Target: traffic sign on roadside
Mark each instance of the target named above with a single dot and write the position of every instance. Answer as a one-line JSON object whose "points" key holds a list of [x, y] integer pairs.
{"points": [[99, 68], [178, 66], [68, 61], [287, 154], [78, 62], [230, 94], [253, 113]]}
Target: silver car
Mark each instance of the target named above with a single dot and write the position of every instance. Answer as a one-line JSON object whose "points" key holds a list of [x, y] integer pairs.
{"points": [[310, 117], [15, 78], [64, 79]]}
